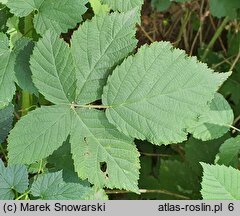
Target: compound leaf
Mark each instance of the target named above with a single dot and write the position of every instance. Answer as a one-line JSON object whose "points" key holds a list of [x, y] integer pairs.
{"points": [[98, 46], [158, 94], [53, 69], [6, 118], [51, 186], [123, 5], [214, 122], [12, 178], [220, 182], [38, 134], [7, 85], [58, 16], [228, 152], [101, 153]]}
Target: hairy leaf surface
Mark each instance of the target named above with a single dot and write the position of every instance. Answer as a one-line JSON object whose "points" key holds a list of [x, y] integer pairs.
{"points": [[7, 85], [98, 46], [214, 122], [51, 186], [158, 94], [229, 151], [6, 118], [220, 182], [13, 177], [96, 143], [53, 69], [58, 16], [38, 134], [123, 5]]}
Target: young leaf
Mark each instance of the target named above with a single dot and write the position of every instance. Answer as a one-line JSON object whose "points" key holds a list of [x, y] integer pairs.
{"points": [[214, 122], [228, 152], [158, 94], [6, 118], [53, 69], [58, 16], [51, 186], [123, 5], [7, 86], [220, 182], [101, 153], [12, 178], [38, 134], [23, 49], [98, 46]]}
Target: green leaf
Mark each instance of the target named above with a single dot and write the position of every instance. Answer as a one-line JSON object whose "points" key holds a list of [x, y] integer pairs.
{"points": [[228, 152], [98, 48], [3, 1], [52, 187], [99, 8], [12, 178], [123, 5], [23, 8], [38, 134], [62, 160], [161, 5], [221, 8], [6, 118], [59, 16], [214, 122], [7, 86], [53, 69], [198, 151], [24, 47], [158, 94], [4, 15], [4, 47], [220, 182], [101, 153]]}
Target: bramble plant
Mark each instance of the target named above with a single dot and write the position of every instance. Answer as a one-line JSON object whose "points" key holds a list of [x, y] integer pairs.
{"points": [[87, 98]]}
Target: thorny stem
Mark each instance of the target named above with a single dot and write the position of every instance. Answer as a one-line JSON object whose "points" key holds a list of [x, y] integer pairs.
{"points": [[215, 37]]}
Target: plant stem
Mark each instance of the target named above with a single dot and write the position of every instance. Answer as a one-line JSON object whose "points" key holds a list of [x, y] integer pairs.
{"points": [[235, 60], [26, 102], [234, 128], [25, 194], [92, 106], [147, 191], [215, 37]]}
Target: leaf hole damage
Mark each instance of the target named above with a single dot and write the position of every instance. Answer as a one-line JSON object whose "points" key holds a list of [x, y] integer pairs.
{"points": [[103, 166]]}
